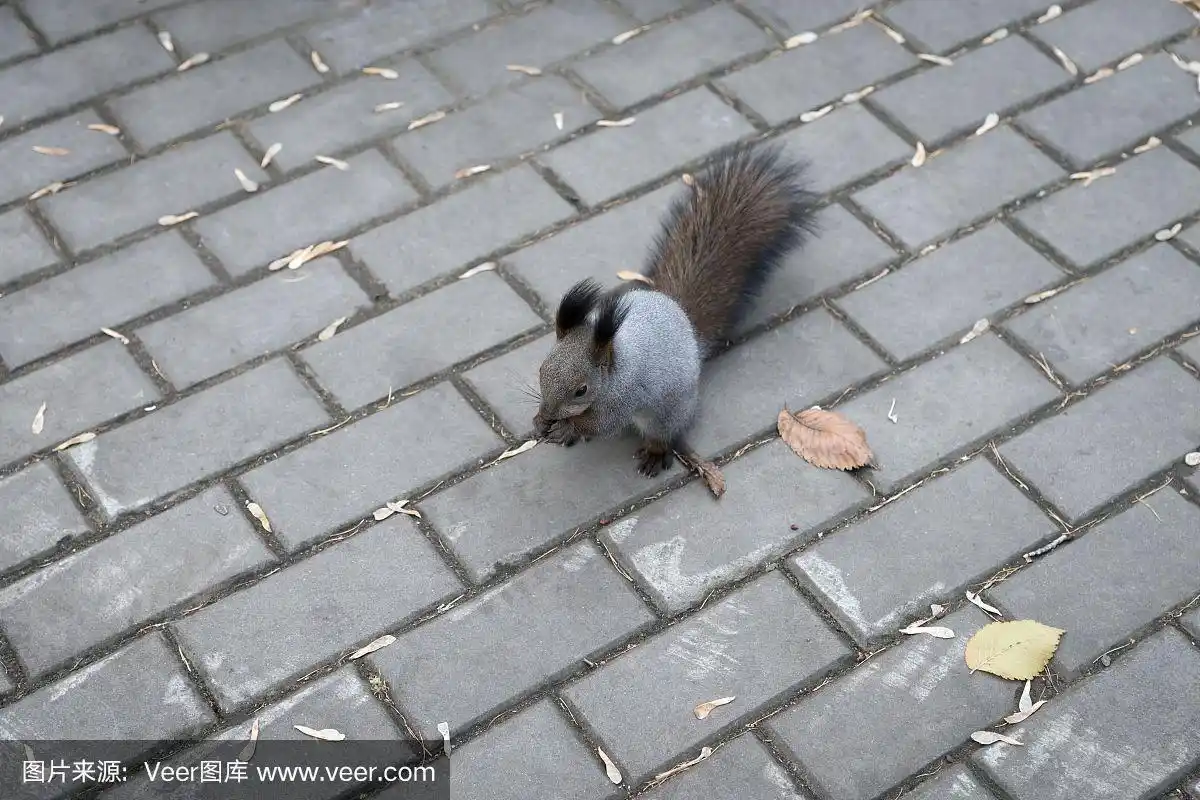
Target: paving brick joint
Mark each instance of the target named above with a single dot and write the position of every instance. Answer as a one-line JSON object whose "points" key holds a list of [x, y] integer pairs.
{"points": [[221, 473]]}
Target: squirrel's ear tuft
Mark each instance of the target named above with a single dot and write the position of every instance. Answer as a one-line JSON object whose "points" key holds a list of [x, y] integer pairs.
{"points": [[576, 304], [609, 318]]}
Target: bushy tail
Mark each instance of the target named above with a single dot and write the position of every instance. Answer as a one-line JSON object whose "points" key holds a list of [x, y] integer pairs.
{"points": [[720, 242]]}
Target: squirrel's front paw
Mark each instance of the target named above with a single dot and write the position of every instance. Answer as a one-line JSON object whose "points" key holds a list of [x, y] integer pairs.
{"points": [[562, 431], [652, 459]]}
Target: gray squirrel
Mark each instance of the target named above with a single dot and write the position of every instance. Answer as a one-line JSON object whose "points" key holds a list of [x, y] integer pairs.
{"points": [[632, 356]]}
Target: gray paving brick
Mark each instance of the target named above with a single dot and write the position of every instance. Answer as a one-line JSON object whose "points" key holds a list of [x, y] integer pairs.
{"points": [[1102, 32], [510, 123], [124, 580], [505, 383], [612, 160], [365, 37], [512, 639], [1096, 121], [972, 278], [23, 248], [224, 89], [744, 389], [1127, 732], [354, 470], [106, 292], [264, 316], [343, 116], [38, 513], [1148, 409], [1089, 224], [844, 249], [652, 63], [1114, 581], [130, 466], [544, 36], [844, 146], [950, 533], [770, 507], [742, 768], [598, 248], [1114, 315], [120, 686], [15, 39], [647, 10], [215, 25], [940, 102], [321, 205], [944, 24], [786, 85], [502, 209], [26, 171], [790, 17], [173, 182], [250, 641], [79, 72], [64, 19], [758, 643], [393, 350], [952, 783], [921, 685], [115, 384], [963, 396], [921, 205], [485, 518], [501, 765]]}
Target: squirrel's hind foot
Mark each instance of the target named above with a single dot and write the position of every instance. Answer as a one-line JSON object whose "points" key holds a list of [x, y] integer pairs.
{"points": [[653, 458]]}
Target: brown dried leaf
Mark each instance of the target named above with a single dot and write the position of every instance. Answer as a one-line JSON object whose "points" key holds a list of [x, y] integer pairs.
{"points": [[558, 120], [324, 734], [627, 275], [272, 151], [996, 36], [622, 38], [247, 752], [337, 163], [53, 188], [383, 72], [194, 61], [615, 123], [467, 172], [807, 37], [1051, 13], [1130, 61], [825, 439], [989, 122], [372, 646], [426, 120], [516, 451], [991, 737], [486, 266], [920, 156], [175, 219], [39, 420], [977, 330], [120, 337], [74, 440], [384, 107], [257, 512], [1066, 62], [522, 68], [707, 470], [318, 63], [704, 709], [247, 184], [329, 330], [280, 105], [1167, 234], [51, 151], [941, 61], [812, 116], [164, 38], [610, 769], [100, 127]]}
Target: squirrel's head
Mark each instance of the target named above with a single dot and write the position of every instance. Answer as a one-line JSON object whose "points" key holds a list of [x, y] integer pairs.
{"points": [[576, 371]]}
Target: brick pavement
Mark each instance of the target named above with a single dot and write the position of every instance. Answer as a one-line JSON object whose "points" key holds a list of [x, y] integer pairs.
{"points": [[556, 602]]}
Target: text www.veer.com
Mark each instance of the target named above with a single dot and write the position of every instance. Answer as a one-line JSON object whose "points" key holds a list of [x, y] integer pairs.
{"points": [[309, 774]]}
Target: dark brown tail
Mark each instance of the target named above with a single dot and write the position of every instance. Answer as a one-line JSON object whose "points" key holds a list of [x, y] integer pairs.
{"points": [[720, 242]]}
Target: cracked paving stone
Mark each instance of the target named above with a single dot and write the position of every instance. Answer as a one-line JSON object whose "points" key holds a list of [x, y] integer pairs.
{"points": [[38, 514]]}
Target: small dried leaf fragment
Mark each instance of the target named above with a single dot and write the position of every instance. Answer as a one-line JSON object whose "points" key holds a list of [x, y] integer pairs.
{"points": [[977, 330], [1166, 234], [996, 36], [324, 734], [1025, 707], [1013, 650], [272, 151], [1148, 145], [329, 330], [622, 38], [383, 72], [1192, 459], [51, 151], [709, 472], [523, 69], [194, 61], [247, 184], [372, 646], [257, 512], [100, 127], [891, 415], [610, 769], [854, 97], [810, 116], [516, 451], [615, 123], [854, 21], [1187, 66], [467, 172], [1026, 701], [120, 337], [705, 752], [1099, 75], [39, 420], [486, 266], [397, 507], [920, 156], [1051, 12], [74, 440], [1040, 296], [558, 120], [807, 37], [932, 630], [175, 219], [318, 63], [894, 35], [384, 107], [164, 38], [1126, 63], [978, 601], [989, 122], [1066, 62], [935, 59], [247, 752], [991, 737], [53, 188], [428, 119], [336, 163], [444, 729], [280, 105], [704, 709], [825, 439], [627, 275]]}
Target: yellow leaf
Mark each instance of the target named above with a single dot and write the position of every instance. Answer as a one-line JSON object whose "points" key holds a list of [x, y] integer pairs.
{"points": [[1014, 650]]}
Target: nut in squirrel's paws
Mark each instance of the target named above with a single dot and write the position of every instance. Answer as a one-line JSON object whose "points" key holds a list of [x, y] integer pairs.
{"points": [[652, 459]]}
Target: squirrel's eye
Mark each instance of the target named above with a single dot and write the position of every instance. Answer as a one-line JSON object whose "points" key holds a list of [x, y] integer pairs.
{"points": [[581, 391]]}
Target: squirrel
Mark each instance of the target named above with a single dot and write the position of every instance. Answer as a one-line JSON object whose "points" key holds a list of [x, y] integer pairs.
{"points": [[632, 356]]}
